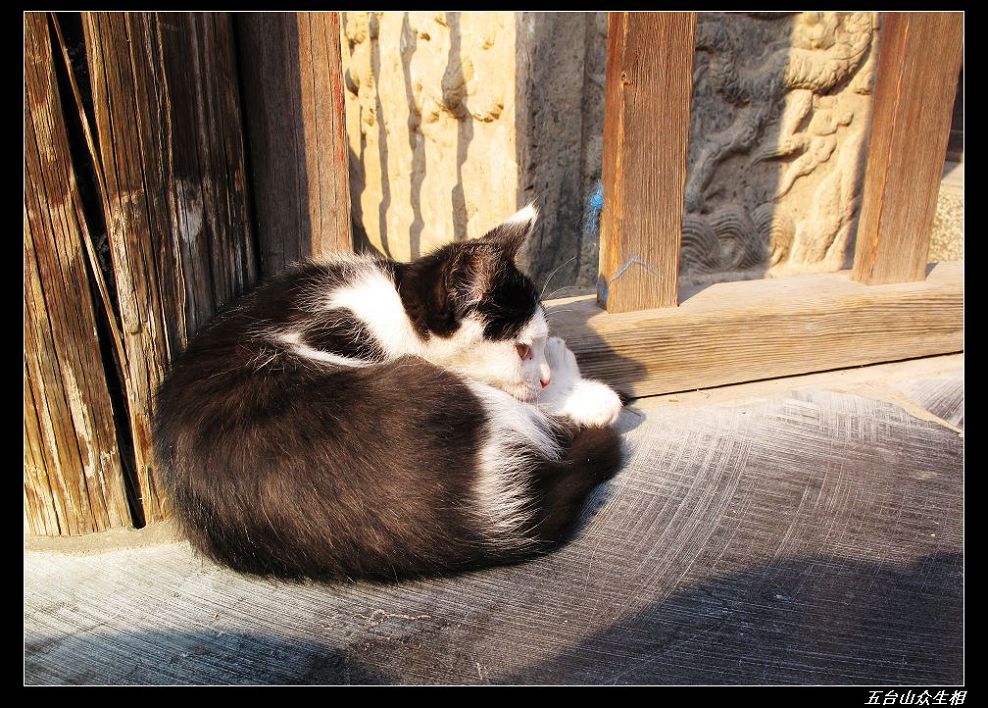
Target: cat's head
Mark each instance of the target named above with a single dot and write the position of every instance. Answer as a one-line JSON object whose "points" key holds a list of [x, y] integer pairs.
{"points": [[481, 316]]}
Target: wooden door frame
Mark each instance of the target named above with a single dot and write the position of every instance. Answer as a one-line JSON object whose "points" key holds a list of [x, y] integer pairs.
{"points": [[892, 305]]}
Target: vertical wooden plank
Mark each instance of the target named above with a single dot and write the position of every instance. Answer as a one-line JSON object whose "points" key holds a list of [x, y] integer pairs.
{"points": [[918, 64], [167, 112], [293, 94], [73, 477], [646, 130], [326, 154]]}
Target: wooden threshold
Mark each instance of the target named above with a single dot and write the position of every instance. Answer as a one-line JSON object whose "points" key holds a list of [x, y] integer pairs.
{"points": [[759, 329]]}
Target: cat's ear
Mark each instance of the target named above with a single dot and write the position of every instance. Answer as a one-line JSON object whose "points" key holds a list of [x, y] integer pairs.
{"points": [[472, 266], [467, 275], [514, 231]]}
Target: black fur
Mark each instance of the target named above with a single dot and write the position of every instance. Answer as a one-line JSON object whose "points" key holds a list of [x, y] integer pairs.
{"points": [[281, 466], [339, 332]]}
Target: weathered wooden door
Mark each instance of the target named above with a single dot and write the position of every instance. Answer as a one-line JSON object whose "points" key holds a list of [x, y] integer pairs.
{"points": [[138, 224]]}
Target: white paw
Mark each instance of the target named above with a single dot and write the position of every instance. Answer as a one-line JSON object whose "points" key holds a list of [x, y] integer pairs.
{"points": [[562, 364], [592, 403], [583, 401], [563, 375]]}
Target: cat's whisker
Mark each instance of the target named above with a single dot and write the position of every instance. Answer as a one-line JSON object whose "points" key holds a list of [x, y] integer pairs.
{"points": [[549, 315], [559, 311], [552, 275]]}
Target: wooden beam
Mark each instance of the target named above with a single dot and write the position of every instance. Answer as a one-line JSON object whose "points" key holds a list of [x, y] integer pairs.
{"points": [[293, 98], [167, 112], [750, 330], [646, 131], [73, 474], [918, 64]]}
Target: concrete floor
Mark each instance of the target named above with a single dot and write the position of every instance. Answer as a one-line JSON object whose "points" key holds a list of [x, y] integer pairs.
{"points": [[797, 531]]}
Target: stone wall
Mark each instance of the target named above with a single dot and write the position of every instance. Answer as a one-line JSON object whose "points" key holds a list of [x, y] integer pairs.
{"points": [[430, 106], [560, 85], [457, 119]]}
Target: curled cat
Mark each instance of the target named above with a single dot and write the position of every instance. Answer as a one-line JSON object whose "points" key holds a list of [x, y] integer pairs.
{"points": [[363, 418]]}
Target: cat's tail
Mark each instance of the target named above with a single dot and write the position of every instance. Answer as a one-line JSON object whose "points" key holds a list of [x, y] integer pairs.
{"points": [[535, 474], [561, 488]]}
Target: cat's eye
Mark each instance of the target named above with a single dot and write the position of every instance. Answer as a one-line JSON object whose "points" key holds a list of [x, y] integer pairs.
{"points": [[524, 351]]}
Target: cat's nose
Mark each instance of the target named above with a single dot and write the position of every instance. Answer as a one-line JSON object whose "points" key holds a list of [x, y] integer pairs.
{"points": [[545, 381]]}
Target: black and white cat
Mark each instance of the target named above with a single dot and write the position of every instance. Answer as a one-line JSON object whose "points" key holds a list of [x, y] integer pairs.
{"points": [[362, 418]]}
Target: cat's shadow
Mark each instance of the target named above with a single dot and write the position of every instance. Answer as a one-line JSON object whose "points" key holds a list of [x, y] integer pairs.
{"points": [[630, 419]]}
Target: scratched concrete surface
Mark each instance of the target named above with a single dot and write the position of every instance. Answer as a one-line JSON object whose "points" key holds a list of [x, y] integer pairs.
{"points": [[807, 531]]}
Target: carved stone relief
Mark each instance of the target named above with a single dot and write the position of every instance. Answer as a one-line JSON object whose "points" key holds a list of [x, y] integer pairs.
{"points": [[780, 116]]}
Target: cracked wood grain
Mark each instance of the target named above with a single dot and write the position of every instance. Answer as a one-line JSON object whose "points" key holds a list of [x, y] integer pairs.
{"points": [[170, 150], [293, 97], [73, 476]]}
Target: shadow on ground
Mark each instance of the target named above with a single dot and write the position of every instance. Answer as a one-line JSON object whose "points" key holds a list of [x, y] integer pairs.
{"points": [[206, 657], [813, 620], [798, 621]]}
